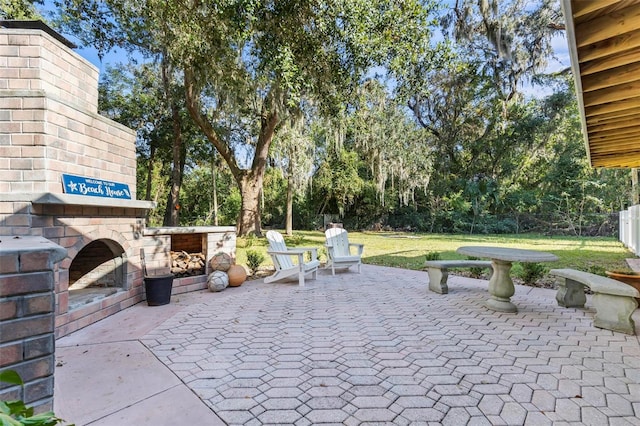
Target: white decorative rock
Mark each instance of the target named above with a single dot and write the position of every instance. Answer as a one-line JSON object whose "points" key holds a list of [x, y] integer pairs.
{"points": [[218, 281]]}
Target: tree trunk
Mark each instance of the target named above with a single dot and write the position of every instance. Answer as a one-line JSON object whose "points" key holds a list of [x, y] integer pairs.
{"points": [[152, 158], [249, 221], [289, 215], [249, 181], [147, 195], [171, 217], [172, 212], [214, 184]]}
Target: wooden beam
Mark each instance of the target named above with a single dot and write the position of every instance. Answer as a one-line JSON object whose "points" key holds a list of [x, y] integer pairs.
{"points": [[612, 154], [622, 138], [613, 107], [581, 7], [615, 125], [612, 77], [611, 94], [612, 61], [630, 161], [614, 144], [608, 25], [613, 150], [631, 116], [614, 133], [610, 46], [628, 137]]}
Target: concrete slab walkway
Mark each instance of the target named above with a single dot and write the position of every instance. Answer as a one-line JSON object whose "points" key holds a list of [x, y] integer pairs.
{"points": [[370, 348]]}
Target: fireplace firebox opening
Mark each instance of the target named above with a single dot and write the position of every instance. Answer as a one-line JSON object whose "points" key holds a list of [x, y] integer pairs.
{"points": [[99, 270]]}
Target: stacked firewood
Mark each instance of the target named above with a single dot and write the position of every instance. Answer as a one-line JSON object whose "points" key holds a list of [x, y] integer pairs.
{"points": [[185, 264]]}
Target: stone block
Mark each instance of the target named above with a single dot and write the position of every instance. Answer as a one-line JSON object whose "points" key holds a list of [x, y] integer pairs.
{"points": [[10, 393], [9, 263], [38, 304], [38, 389], [39, 346], [36, 368], [10, 353], [35, 261], [15, 284], [17, 219], [8, 308], [10, 127], [62, 299], [22, 328]]}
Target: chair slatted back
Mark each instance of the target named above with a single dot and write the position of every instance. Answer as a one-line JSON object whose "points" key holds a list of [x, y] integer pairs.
{"points": [[276, 243], [338, 238]]}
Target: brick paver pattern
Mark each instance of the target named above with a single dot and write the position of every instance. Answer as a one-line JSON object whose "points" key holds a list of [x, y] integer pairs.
{"points": [[378, 347]]}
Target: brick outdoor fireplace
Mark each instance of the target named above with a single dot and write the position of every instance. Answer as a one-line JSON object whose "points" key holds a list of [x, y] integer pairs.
{"points": [[69, 175]]}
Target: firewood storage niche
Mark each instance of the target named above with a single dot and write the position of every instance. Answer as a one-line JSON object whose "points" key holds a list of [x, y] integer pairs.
{"points": [[188, 254]]}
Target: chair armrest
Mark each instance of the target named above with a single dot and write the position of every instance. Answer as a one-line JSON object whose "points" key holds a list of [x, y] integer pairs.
{"points": [[297, 251], [292, 252]]}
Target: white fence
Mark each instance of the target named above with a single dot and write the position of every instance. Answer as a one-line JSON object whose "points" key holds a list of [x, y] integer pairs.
{"points": [[630, 228]]}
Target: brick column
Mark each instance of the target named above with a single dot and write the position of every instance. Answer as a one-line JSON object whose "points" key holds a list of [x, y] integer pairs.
{"points": [[27, 317]]}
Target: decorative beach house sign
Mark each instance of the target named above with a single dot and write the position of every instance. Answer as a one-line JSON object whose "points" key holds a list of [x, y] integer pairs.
{"points": [[79, 185]]}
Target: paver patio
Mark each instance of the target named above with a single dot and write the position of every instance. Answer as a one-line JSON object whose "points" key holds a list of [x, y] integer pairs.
{"points": [[375, 347]]}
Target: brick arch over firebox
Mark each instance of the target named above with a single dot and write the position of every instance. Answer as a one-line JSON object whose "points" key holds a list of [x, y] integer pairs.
{"points": [[100, 234]]}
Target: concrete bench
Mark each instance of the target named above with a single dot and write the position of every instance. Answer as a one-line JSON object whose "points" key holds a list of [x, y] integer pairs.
{"points": [[613, 300], [439, 271]]}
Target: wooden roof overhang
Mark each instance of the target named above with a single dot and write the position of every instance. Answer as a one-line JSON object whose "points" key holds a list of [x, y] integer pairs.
{"points": [[604, 44]]}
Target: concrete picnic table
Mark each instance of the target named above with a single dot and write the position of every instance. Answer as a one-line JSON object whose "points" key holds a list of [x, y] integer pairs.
{"points": [[501, 285]]}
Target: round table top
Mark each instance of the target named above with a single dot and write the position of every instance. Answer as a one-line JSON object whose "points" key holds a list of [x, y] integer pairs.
{"points": [[507, 254]]}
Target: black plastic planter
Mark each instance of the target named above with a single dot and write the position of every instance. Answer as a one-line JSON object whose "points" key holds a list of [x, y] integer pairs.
{"points": [[158, 289]]}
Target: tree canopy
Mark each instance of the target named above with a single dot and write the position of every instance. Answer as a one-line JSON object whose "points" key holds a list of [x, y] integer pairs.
{"points": [[407, 114], [248, 63]]}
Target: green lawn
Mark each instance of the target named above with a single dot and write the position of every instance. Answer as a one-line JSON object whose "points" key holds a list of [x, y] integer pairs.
{"points": [[408, 250]]}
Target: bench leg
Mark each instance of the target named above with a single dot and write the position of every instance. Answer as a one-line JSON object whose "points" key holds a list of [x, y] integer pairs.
{"points": [[614, 312], [570, 293], [438, 280], [301, 270]]}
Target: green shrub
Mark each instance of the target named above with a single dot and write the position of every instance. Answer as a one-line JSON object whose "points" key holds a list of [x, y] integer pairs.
{"points": [[597, 269], [433, 255], [531, 272], [254, 259], [323, 255], [16, 413], [475, 271], [246, 241], [294, 240]]}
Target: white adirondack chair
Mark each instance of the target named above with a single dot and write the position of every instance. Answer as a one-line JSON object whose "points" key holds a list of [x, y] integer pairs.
{"points": [[282, 258], [339, 249]]}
